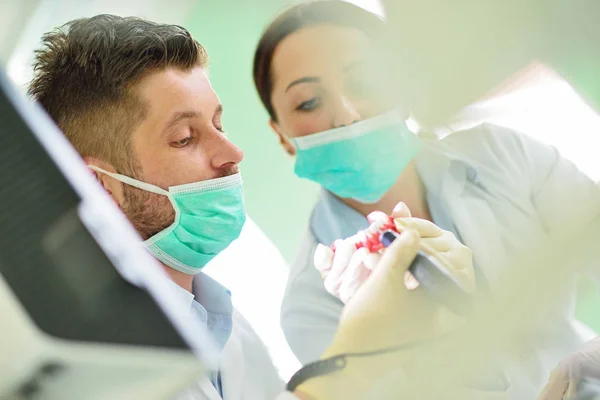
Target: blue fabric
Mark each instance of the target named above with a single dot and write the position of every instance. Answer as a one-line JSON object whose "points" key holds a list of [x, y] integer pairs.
{"points": [[215, 310], [349, 221]]}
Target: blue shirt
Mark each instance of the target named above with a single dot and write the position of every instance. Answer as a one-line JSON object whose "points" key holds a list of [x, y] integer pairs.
{"points": [[211, 303], [333, 219]]}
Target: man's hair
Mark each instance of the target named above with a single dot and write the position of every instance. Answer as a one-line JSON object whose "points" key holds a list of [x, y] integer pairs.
{"points": [[85, 71]]}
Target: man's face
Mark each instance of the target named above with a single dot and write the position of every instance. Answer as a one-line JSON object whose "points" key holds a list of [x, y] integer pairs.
{"points": [[180, 141]]}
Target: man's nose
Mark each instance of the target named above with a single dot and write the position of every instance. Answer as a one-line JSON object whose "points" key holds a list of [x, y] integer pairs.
{"points": [[345, 113], [225, 154]]}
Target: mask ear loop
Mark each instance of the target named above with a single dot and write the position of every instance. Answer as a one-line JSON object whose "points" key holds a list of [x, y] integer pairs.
{"points": [[132, 182], [149, 188]]}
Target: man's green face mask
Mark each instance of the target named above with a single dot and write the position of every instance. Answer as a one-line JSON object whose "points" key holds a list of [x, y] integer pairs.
{"points": [[209, 215]]}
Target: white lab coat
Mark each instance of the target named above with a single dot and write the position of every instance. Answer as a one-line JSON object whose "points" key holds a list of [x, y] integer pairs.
{"points": [[503, 191], [247, 372]]}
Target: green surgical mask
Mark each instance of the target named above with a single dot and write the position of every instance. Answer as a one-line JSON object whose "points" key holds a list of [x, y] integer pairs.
{"points": [[361, 161], [209, 215]]}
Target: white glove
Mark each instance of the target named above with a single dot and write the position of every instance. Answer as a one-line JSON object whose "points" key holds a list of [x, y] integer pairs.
{"points": [[564, 379], [345, 271]]}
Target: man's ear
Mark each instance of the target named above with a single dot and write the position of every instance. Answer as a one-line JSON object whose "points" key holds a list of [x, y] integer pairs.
{"points": [[111, 185], [283, 140]]}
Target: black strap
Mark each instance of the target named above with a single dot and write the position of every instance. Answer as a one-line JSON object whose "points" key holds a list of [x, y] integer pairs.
{"points": [[317, 368], [339, 362]]}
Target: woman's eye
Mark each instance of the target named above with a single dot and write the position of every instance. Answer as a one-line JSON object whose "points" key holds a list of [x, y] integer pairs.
{"points": [[183, 142], [309, 105]]}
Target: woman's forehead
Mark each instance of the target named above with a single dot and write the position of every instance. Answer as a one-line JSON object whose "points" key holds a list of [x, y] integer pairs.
{"points": [[315, 50]]}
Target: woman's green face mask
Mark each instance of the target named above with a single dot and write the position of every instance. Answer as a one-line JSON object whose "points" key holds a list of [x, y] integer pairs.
{"points": [[360, 161]]}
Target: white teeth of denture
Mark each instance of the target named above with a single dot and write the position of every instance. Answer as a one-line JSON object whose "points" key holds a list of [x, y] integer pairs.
{"points": [[377, 226]]}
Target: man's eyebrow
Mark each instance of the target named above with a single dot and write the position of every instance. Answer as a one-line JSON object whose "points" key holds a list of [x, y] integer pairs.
{"points": [[180, 116], [306, 79]]}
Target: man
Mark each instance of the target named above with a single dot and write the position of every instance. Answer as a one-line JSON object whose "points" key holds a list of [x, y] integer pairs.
{"points": [[133, 98]]}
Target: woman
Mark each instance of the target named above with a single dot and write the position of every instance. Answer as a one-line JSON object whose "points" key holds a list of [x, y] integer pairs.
{"points": [[318, 74]]}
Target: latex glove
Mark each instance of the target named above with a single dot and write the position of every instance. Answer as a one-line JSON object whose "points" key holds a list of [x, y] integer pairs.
{"points": [[564, 379], [346, 270], [444, 244], [382, 313]]}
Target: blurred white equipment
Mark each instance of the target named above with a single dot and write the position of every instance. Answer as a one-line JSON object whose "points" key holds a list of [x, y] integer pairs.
{"points": [[72, 325], [452, 54], [23, 22]]}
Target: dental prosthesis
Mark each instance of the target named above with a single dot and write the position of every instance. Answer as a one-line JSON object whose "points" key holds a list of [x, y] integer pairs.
{"points": [[370, 238]]}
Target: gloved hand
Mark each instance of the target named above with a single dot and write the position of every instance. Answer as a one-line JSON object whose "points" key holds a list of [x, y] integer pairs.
{"points": [[382, 313], [444, 244], [564, 379], [345, 271]]}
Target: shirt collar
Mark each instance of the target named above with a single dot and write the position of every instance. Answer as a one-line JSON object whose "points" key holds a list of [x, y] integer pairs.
{"points": [[333, 219], [213, 296], [183, 294]]}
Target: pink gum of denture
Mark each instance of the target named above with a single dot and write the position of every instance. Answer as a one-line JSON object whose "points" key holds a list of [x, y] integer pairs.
{"points": [[369, 238]]}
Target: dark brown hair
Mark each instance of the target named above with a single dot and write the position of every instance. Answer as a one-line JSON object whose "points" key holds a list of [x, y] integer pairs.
{"points": [[334, 12], [85, 70]]}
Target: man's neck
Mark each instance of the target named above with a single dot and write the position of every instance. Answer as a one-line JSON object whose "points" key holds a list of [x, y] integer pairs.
{"points": [[408, 189], [183, 280]]}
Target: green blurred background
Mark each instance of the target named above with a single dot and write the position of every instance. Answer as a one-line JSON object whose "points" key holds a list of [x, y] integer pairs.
{"points": [[276, 199]]}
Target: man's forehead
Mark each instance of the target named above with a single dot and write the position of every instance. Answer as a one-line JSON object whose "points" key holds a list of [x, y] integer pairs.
{"points": [[173, 95], [173, 84]]}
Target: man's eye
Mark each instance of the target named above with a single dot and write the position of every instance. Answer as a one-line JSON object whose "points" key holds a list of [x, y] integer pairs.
{"points": [[183, 142], [309, 105]]}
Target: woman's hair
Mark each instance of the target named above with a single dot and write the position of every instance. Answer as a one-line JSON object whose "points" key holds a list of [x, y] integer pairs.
{"points": [[320, 12]]}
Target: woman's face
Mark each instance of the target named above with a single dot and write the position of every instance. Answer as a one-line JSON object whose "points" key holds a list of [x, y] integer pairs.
{"points": [[325, 77]]}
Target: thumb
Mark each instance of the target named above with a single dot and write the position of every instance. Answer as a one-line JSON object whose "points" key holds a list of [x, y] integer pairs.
{"points": [[397, 259], [401, 211]]}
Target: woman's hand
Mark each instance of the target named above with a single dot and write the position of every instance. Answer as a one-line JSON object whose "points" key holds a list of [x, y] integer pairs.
{"points": [[565, 379], [384, 313], [345, 271], [381, 314], [438, 242]]}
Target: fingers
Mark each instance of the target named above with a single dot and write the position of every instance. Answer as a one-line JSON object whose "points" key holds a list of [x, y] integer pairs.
{"points": [[459, 255], [396, 260], [323, 259], [440, 244], [372, 260], [344, 250], [401, 211], [571, 388], [354, 276], [425, 229], [410, 282], [557, 385]]}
